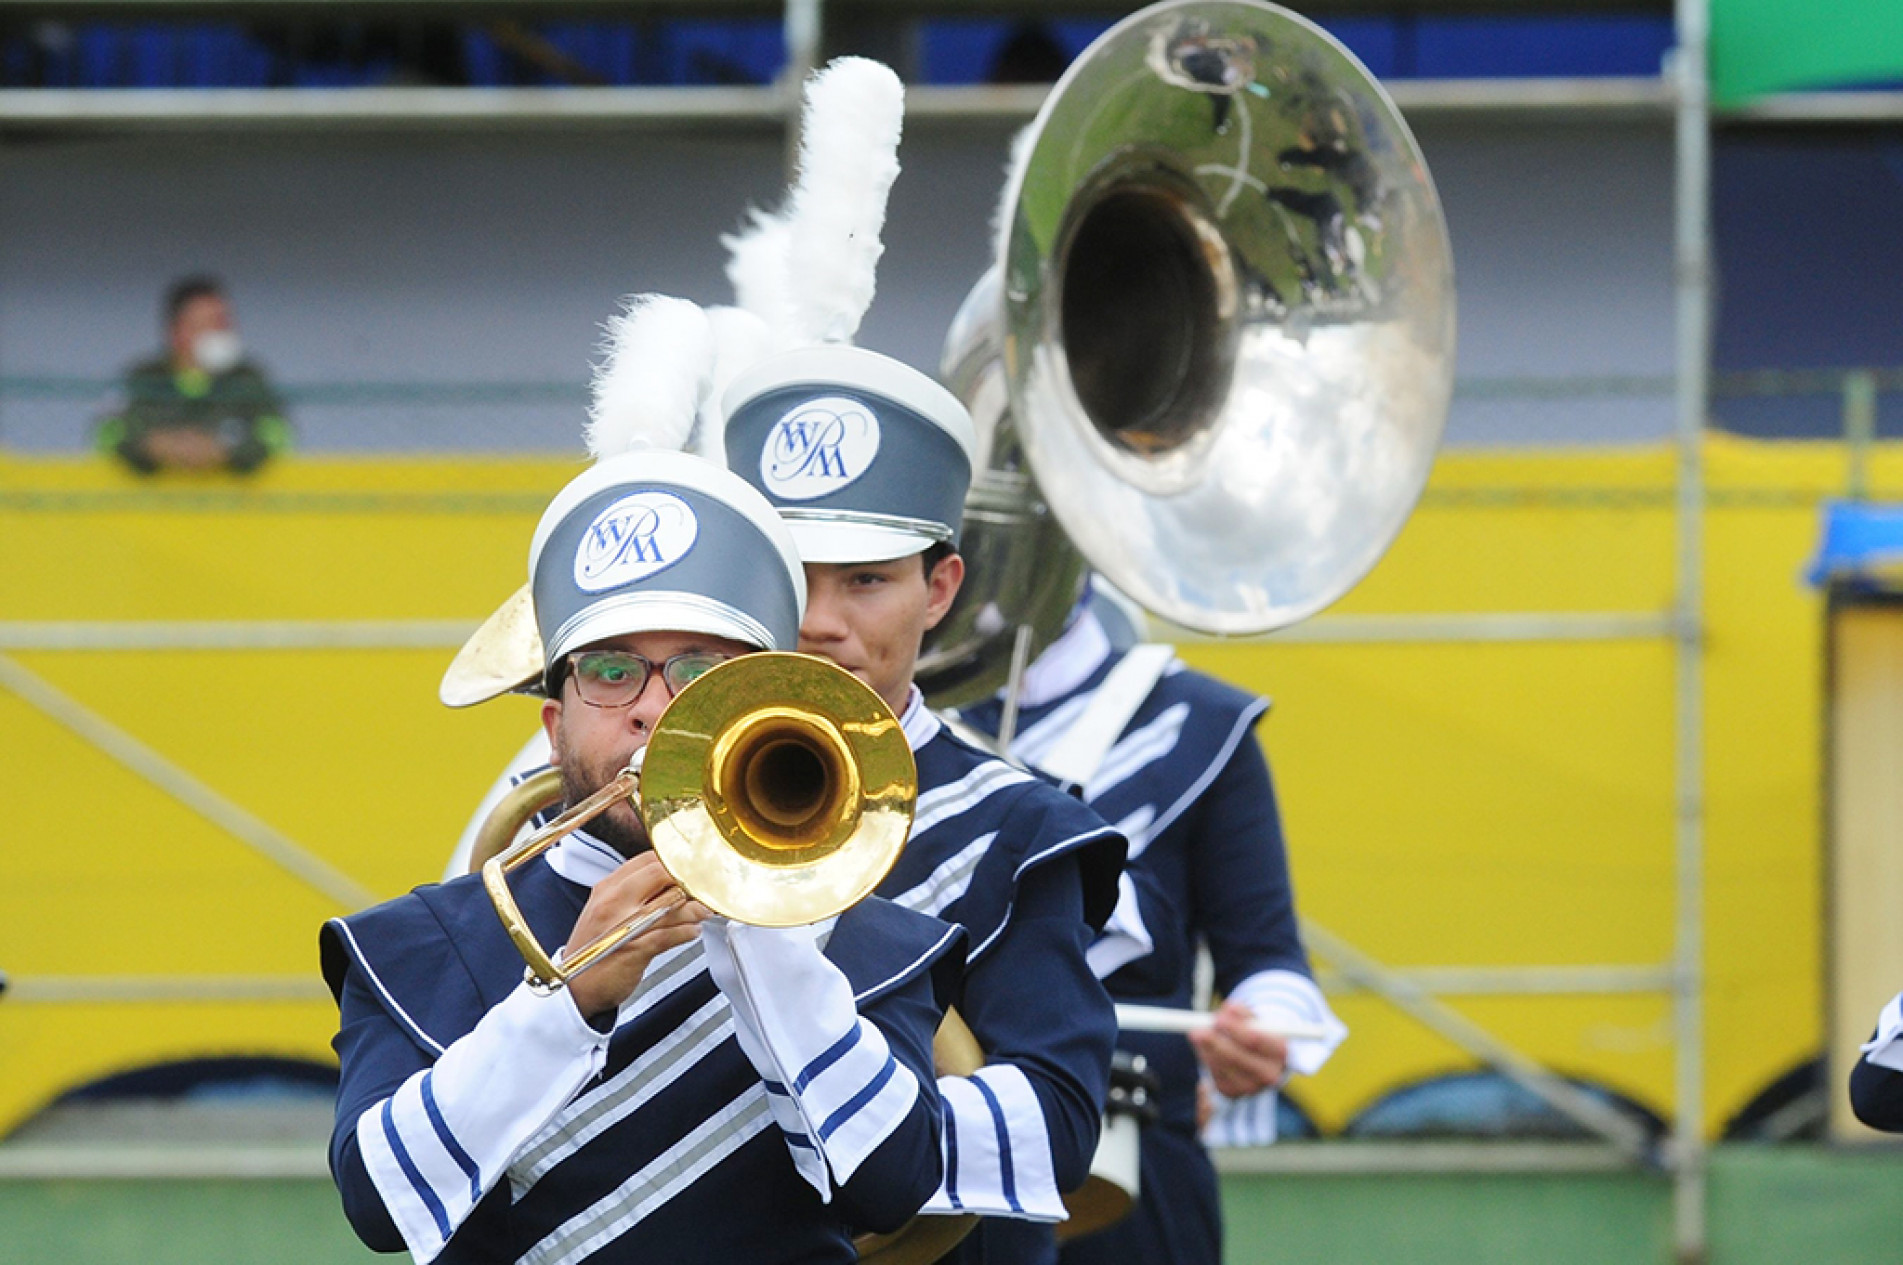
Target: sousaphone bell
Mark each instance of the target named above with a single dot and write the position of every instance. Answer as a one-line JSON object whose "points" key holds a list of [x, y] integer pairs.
{"points": [[1214, 355]]}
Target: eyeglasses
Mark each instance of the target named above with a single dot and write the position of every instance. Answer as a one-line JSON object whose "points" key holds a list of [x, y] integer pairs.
{"points": [[615, 678]]}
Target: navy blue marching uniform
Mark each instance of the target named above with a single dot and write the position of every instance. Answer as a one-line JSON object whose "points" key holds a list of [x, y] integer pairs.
{"points": [[1187, 784], [1030, 873], [662, 1140]]}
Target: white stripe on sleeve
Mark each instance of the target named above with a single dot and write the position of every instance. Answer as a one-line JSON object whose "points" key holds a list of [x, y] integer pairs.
{"points": [[1124, 938], [1290, 994], [1268, 994], [1240, 1121], [435, 1146], [997, 1148]]}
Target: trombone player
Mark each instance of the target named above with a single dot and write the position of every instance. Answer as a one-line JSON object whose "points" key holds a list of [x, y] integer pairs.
{"points": [[709, 1091]]}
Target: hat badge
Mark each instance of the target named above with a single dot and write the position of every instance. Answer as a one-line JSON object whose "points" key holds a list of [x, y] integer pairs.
{"points": [[818, 447], [637, 536]]}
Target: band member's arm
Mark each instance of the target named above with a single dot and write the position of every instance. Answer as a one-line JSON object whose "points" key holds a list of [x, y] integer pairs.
{"points": [[1241, 887], [849, 1082], [1022, 1130], [433, 1137], [1876, 1082], [422, 1136], [1127, 937]]}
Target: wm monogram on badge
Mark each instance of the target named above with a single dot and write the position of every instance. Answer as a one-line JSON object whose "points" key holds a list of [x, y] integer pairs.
{"points": [[636, 537], [818, 448]]}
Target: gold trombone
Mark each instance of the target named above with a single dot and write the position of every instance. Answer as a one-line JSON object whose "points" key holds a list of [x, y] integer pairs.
{"points": [[774, 813], [777, 813]]}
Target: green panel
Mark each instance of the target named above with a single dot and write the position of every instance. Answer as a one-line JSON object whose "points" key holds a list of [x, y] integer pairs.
{"points": [[1773, 1206], [1766, 1206], [1760, 46], [1449, 1219], [88, 1222]]}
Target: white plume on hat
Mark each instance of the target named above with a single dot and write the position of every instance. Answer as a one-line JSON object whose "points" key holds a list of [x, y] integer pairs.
{"points": [[741, 340], [810, 270], [658, 371], [803, 275]]}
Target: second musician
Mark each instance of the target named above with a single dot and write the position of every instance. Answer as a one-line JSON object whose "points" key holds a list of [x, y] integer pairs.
{"points": [[868, 461]]}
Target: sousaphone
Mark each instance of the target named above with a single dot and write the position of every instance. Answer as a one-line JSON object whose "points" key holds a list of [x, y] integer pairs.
{"points": [[1214, 355]]}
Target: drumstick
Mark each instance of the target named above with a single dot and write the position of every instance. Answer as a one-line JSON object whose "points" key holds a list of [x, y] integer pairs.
{"points": [[1133, 1018]]}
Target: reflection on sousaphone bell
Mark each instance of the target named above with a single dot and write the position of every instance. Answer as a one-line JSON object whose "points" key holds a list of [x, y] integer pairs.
{"points": [[777, 790], [1214, 355]]}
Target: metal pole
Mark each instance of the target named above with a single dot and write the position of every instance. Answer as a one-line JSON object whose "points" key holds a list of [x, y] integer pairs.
{"points": [[1693, 256], [804, 24], [252, 831], [1860, 430]]}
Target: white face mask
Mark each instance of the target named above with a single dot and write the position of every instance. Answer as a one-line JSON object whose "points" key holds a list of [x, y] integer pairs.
{"points": [[217, 350]]}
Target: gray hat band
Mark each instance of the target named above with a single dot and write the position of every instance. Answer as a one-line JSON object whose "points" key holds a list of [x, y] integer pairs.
{"points": [[633, 548], [829, 452]]}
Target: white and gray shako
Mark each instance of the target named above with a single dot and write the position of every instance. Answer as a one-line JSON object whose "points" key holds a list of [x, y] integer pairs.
{"points": [[866, 459], [653, 540]]}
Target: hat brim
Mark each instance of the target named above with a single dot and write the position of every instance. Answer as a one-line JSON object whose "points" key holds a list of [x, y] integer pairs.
{"points": [[502, 656], [837, 542]]}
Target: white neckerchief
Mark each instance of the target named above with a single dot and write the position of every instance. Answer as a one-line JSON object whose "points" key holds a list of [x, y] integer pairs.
{"points": [[1066, 663], [582, 858]]}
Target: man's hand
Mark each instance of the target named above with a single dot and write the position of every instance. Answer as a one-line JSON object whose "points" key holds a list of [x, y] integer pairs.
{"points": [[638, 887], [1241, 1060]]}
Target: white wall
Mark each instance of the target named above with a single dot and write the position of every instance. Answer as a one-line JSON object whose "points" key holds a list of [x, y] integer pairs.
{"points": [[470, 259]]}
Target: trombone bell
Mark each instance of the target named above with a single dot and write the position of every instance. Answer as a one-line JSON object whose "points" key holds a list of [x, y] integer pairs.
{"points": [[778, 814]]}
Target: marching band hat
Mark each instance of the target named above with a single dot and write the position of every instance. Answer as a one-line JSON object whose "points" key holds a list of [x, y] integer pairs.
{"points": [[657, 541], [866, 459]]}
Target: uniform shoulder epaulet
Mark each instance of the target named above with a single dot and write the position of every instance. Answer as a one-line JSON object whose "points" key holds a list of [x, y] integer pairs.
{"points": [[435, 959], [881, 946]]}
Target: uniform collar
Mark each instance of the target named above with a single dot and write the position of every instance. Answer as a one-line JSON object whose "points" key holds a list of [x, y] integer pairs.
{"points": [[1066, 663], [918, 722]]}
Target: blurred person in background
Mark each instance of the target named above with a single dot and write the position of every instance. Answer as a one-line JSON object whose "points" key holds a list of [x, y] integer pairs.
{"points": [[200, 404]]}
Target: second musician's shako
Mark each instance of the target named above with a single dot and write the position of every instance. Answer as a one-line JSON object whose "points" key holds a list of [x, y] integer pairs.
{"points": [[650, 540], [866, 459]]}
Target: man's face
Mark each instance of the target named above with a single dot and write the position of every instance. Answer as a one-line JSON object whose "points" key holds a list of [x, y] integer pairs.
{"points": [[200, 314], [870, 617], [591, 744]]}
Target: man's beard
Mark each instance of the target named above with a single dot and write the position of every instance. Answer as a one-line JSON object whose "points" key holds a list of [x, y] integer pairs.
{"points": [[610, 825]]}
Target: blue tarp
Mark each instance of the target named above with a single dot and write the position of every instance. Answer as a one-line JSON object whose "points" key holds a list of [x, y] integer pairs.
{"points": [[1862, 546]]}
